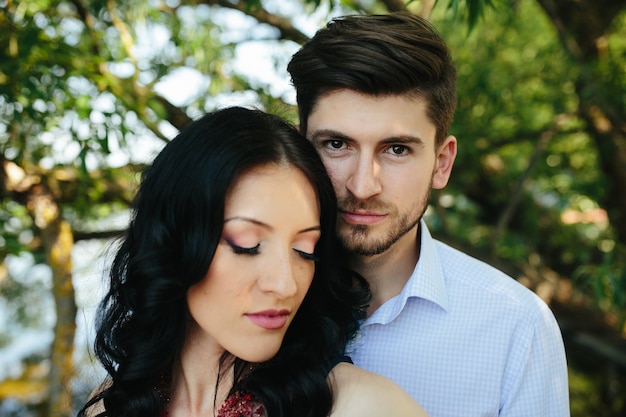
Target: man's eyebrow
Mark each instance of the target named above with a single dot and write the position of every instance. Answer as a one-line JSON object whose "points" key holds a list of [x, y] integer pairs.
{"points": [[404, 139], [267, 226], [329, 134]]}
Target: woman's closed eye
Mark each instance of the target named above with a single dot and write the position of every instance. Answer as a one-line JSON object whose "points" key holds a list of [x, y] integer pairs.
{"points": [[306, 255], [255, 250], [239, 250]]}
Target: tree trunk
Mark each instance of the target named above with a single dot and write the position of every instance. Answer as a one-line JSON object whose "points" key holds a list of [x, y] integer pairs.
{"points": [[58, 241], [59, 250]]}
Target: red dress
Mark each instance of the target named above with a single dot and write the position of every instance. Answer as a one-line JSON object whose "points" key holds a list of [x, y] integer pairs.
{"points": [[241, 404]]}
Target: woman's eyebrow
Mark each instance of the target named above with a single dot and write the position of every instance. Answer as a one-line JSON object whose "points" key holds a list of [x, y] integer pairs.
{"points": [[267, 226], [248, 220], [311, 229]]}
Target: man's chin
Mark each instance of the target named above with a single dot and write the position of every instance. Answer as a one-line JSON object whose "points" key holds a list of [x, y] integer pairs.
{"points": [[364, 251], [362, 247]]}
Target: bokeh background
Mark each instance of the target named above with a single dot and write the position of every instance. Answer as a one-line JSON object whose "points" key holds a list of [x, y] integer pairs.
{"points": [[90, 90]]}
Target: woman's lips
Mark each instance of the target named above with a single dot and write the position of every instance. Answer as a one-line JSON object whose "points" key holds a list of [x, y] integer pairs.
{"points": [[362, 218], [269, 319]]}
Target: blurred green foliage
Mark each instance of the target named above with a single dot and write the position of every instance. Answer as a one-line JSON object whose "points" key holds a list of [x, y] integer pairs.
{"points": [[83, 107]]}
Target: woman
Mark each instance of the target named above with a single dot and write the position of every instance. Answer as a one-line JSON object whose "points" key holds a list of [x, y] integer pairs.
{"points": [[224, 297]]}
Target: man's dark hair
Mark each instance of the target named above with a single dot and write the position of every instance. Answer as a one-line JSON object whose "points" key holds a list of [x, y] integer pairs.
{"points": [[378, 55]]}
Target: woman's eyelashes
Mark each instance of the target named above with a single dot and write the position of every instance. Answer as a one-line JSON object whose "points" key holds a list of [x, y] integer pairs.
{"points": [[239, 250], [255, 250], [308, 256]]}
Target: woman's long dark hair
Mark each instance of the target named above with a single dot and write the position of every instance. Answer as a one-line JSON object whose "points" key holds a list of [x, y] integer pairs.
{"points": [[177, 223]]}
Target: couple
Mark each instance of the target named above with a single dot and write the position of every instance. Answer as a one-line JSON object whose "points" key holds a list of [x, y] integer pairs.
{"points": [[231, 296]]}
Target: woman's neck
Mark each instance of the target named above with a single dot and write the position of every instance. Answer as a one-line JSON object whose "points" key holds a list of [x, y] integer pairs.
{"points": [[201, 379]]}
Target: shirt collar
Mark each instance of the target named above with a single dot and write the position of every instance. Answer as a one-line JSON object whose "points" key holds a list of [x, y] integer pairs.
{"points": [[426, 282]]}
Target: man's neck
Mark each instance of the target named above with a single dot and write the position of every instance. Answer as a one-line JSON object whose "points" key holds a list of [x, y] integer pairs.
{"points": [[388, 272]]}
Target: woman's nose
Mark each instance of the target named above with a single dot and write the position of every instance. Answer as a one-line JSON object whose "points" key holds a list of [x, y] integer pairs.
{"points": [[279, 278]]}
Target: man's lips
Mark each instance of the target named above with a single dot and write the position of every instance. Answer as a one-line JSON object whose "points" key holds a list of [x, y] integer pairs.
{"points": [[367, 218], [269, 319]]}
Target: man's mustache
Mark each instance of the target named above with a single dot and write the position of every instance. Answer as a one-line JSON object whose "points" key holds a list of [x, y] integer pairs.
{"points": [[351, 204]]}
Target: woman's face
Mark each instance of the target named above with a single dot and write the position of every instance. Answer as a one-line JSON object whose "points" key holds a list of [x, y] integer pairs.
{"points": [[263, 265]]}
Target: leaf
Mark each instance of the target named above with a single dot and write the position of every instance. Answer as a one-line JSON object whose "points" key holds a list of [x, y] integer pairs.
{"points": [[475, 9]]}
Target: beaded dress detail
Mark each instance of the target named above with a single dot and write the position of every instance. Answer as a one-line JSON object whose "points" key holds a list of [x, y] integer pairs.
{"points": [[241, 404]]}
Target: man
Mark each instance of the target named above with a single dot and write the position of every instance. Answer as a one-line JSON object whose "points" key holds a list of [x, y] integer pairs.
{"points": [[376, 96]]}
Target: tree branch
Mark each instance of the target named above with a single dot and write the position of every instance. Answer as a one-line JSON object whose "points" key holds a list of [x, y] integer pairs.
{"points": [[516, 193], [139, 95], [284, 26]]}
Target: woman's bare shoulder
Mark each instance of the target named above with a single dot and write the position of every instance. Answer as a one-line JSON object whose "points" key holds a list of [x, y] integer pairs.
{"points": [[362, 393]]}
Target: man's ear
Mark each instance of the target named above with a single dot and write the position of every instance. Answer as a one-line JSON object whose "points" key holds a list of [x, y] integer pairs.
{"points": [[443, 164], [298, 128]]}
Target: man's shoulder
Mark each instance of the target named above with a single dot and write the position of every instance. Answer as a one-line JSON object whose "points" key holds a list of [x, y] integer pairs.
{"points": [[481, 295], [455, 260], [471, 275]]}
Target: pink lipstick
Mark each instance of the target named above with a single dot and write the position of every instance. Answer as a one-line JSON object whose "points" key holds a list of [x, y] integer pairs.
{"points": [[269, 319]]}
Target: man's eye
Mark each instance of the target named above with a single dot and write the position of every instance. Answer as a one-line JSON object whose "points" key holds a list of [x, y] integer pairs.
{"points": [[307, 256], [335, 144], [244, 251], [398, 149]]}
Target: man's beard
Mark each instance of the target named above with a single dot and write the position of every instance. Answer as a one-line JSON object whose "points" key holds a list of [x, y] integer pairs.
{"points": [[355, 239]]}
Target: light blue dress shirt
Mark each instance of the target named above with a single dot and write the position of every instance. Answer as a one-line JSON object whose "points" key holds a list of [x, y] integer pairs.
{"points": [[466, 340]]}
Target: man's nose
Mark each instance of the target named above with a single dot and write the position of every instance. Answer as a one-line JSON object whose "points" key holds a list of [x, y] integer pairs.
{"points": [[364, 182]]}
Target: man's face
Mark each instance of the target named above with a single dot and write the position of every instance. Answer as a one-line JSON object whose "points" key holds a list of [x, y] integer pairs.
{"points": [[380, 154]]}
